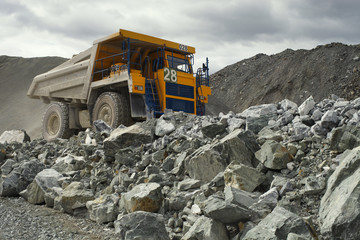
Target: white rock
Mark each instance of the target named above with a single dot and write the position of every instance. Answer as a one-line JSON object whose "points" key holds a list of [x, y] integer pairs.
{"points": [[307, 106]]}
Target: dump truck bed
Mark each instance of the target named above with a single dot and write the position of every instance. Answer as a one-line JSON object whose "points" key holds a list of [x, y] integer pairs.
{"points": [[71, 81]]}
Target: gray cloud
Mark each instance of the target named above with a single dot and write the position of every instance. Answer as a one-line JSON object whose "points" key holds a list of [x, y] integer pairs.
{"points": [[225, 31]]}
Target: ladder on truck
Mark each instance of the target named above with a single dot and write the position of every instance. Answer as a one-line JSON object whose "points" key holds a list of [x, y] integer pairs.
{"points": [[151, 94], [202, 78]]}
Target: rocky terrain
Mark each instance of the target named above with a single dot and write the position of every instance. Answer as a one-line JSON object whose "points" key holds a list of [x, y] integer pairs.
{"points": [[272, 171], [295, 75]]}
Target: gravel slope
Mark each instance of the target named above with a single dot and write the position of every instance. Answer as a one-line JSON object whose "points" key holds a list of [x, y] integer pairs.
{"points": [[22, 220], [17, 111], [329, 69]]}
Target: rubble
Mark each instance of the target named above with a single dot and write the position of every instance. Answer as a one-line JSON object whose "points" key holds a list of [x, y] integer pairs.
{"points": [[203, 177]]}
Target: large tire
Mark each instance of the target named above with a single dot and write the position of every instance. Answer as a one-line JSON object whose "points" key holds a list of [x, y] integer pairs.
{"points": [[55, 123], [113, 108]]}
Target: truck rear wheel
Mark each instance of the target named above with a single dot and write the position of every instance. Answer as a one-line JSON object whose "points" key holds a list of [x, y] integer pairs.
{"points": [[113, 108], [55, 122]]}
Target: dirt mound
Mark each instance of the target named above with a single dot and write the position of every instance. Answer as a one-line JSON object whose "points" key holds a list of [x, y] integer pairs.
{"points": [[329, 69], [17, 111]]}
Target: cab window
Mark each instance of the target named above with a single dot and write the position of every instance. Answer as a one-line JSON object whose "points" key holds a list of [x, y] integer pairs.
{"points": [[179, 64]]}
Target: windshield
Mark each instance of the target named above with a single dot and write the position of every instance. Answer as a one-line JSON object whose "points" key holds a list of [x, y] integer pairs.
{"points": [[179, 64]]}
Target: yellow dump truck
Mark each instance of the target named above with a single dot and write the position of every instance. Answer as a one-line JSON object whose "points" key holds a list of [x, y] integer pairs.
{"points": [[122, 78]]}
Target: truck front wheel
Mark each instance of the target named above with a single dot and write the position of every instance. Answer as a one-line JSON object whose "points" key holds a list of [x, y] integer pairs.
{"points": [[113, 108], [55, 122]]}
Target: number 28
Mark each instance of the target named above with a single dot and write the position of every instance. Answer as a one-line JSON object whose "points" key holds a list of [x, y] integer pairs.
{"points": [[170, 75]]}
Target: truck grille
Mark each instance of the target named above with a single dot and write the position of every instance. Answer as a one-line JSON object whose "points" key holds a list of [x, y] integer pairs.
{"points": [[179, 90]]}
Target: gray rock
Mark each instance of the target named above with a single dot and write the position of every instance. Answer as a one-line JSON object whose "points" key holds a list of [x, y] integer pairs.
{"points": [[210, 130], [317, 115], [306, 106], [205, 156], [279, 181], [257, 117], [69, 163], [7, 167], [103, 209], [270, 198], [278, 225], [285, 119], [133, 136], [14, 136], [235, 123], [316, 129], [341, 104], [268, 134], [242, 177], [9, 185], [44, 180], [206, 228], [294, 236], [314, 185], [330, 119], [274, 155], [74, 197], [344, 138], [20, 178], [239, 197], [188, 183], [340, 206], [287, 105], [51, 194], [238, 146], [141, 225], [163, 127], [177, 200], [102, 127], [143, 197], [225, 212], [301, 129], [127, 156]]}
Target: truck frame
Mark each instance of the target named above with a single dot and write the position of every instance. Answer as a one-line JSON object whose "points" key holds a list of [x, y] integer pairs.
{"points": [[122, 78]]}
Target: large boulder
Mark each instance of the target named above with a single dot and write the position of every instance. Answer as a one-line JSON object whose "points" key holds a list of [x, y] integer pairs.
{"points": [[163, 127], [239, 146], [274, 155], [20, 178], [206, 228], [257, 117], [104, 208], [212, 129], [74, 197], [306, 107], [69, 163], [330, 119], [143, 197], [133, 136], [242, 177], [7, 167], [205, 156], [141, 225], [344, 138], [240, 197], [278, 225], [225, 212], [14, 136], [340, 206], [44, 180]]}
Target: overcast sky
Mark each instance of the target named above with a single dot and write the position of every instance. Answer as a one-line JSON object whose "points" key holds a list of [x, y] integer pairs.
{"points": [[225, 31]]}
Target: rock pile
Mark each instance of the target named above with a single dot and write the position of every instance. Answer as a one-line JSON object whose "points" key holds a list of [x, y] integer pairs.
{"points": [[274, 171]]}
